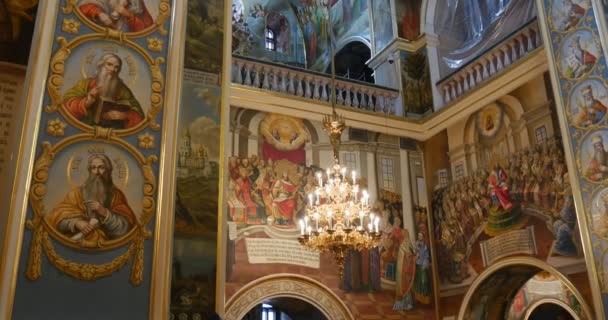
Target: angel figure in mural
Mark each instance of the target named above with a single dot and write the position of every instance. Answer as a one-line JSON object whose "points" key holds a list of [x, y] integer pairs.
{"points": [[104, 99], [499, 191], [592, 110], [97, 210], [284, 201], [122, 15], [579, 60], [598, 165]]}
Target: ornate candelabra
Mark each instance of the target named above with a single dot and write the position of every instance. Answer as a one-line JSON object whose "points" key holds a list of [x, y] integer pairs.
{"points": [[338, 217]]}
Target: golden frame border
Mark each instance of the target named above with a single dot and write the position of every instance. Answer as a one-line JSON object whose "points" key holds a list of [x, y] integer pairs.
{"points": [[521, 261], [287, 285], [164, 11], [56, 79], [41, 229]]}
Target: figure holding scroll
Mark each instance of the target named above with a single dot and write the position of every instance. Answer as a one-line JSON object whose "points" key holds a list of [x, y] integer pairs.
{"points": [[104, 100], [97, 210]]}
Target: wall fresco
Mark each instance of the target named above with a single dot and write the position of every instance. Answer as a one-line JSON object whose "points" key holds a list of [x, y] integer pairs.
{"points": [[383, 24], [195, 237], [99, 142], [272, 167], [506, 178], [416, 82], [408, 19]]}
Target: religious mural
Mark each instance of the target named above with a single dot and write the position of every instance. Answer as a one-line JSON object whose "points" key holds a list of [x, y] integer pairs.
{"points": [[383, 24], [17, 20], [195, 237], [509, 193], [408, 19], [272, 169], [566, 14], [416, 82], [93, 195], [204, 35], [305, 33]]}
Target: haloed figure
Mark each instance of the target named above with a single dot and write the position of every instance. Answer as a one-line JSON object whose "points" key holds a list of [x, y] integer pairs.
{"points": [[97, 210]]}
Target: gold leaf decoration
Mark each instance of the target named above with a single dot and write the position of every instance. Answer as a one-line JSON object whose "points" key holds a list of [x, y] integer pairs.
{"points": [[155, 44], [156, 98], [70, 26], [56, 127], [146, 141], [56, 79]]}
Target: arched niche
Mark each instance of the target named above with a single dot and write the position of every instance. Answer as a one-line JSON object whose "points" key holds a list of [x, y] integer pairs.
{"points": [[500, 282], [248, 141], [536, 305], [287, 285], [512, 133], [277, 32]]}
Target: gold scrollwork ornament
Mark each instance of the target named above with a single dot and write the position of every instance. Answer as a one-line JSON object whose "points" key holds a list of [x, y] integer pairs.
{"points": [[42, 231]]}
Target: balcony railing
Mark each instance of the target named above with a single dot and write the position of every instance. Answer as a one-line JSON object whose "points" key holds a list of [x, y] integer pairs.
{"points": [[492, 62], [313, 85]]}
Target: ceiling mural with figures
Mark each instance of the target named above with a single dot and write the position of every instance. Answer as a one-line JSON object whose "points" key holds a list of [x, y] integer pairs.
{"points": [[305, 30]]}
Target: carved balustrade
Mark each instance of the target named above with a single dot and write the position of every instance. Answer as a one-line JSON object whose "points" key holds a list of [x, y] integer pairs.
{"points": [[494, 61], [313, 85]]}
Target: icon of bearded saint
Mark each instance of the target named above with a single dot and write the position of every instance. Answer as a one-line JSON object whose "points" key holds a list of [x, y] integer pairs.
{"points": [[104, 100], [96, 211]]}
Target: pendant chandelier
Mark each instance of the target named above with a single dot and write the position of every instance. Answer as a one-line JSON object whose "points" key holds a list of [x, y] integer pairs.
{"points": [[338, 217]]}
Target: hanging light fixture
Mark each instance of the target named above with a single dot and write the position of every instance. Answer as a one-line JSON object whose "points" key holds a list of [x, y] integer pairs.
{"points": [[338, 217]]}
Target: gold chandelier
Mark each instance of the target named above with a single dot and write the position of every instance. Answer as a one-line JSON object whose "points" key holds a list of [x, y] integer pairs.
{"points": [[338, 217]]}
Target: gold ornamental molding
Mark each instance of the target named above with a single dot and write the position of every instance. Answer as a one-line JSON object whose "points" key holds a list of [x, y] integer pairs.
{"points": [[43, 231], [532, 264], [287, 285]]}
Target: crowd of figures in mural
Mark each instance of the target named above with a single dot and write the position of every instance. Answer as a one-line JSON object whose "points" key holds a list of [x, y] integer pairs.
{"points": [[268, 182], [499, 199], [267, 192]]}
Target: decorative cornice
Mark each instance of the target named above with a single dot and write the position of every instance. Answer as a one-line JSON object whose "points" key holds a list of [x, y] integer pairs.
{"points": [[395, 47], [510, 79]]}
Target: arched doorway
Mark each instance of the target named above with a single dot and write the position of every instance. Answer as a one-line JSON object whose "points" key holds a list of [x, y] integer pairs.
{"points": [[494, 289], [284, 308], [289, 286], [351, 62]]}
